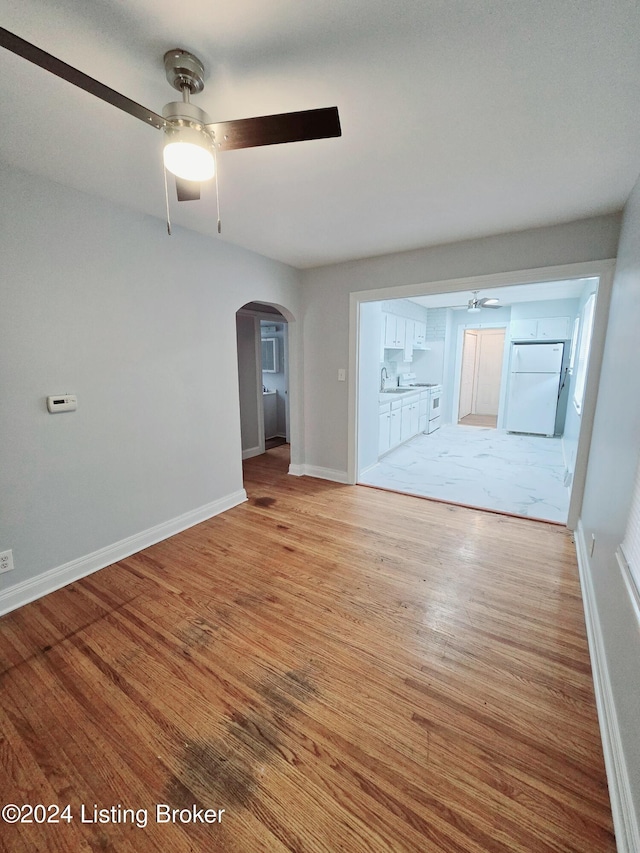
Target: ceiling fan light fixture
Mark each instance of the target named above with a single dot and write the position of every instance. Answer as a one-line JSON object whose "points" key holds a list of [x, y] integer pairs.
{"points": [[473, 309], [188, 153]]}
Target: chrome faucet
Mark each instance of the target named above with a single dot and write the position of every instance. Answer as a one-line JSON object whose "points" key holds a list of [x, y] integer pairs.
{"points": [[383, 375]]}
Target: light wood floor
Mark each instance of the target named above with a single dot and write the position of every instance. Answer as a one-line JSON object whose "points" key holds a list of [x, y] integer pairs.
{"points": [[339, 668], [479, 420]]}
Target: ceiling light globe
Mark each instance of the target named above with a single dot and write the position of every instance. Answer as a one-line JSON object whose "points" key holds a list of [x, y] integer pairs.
{"points": [[188, 154], [473, 310]]}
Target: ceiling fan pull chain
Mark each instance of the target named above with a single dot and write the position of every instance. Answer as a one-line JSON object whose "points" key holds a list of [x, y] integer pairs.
{"points": [[215, 161], [166, 200]]}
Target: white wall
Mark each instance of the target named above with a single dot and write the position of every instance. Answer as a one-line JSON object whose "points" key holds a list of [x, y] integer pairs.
{"points": [[98, 301], [326, 307], [613, 457]]}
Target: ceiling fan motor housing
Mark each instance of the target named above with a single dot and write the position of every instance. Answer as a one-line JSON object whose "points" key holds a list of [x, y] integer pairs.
{"points": [[184, 70]]}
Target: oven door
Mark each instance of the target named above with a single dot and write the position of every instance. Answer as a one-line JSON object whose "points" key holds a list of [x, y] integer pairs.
{"points": [[434, 404]]}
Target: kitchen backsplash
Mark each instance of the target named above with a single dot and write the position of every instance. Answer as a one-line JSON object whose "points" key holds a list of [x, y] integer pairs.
{"points": [[436, 324]]}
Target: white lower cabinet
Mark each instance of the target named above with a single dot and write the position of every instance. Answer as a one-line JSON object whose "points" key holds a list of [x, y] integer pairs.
{"points": [[400, 420], [384, 430], [409, 419], [394, 434], [389, 429]]}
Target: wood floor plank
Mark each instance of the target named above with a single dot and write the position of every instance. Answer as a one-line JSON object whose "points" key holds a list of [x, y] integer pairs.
{"points": [[339, 668]]}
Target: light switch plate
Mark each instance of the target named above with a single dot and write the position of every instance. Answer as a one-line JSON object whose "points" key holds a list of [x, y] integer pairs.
{"points": [[342, 374]]}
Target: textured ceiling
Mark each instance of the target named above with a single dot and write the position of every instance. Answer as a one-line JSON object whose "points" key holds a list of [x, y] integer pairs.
{"points": [[460, 118]]}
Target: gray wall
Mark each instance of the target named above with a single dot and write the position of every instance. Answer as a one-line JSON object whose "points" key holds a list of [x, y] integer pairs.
{"points": [[98, 301], [248, 338], [613, 458], [326, 307]]}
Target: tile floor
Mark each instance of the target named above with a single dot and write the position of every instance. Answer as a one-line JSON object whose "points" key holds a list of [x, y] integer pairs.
{"points": [[486, 468]]}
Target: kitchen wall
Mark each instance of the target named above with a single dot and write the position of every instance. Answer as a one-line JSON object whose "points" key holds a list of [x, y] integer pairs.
{"points": [[326, 330], [98, 301]]}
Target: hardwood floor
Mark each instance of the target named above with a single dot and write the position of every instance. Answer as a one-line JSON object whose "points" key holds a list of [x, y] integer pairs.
{"points": [[338, 668], [479, 420]]}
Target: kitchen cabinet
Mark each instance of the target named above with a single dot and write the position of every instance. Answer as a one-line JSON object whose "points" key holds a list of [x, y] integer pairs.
{"points": [[419, 335], [423, 411], [409, 417], [403, 333], [394, 432], [541, 329], [384, 429], [408, 339], [394, 331], [389, 434]]}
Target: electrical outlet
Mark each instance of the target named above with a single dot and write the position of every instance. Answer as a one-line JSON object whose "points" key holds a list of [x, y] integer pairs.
{"points": [[6, 561]]}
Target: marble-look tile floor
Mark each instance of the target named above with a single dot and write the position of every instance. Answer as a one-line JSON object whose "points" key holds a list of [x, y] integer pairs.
{"points": [[481, 467]]}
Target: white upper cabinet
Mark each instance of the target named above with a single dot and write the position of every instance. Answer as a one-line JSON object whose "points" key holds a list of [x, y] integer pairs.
{"points": [[394, 331], [403, 333], [419, 335], [541, 329]]}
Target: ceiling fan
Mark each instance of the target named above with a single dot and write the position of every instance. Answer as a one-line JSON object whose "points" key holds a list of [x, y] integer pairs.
{"points": [[474, 305], [191, 138]]}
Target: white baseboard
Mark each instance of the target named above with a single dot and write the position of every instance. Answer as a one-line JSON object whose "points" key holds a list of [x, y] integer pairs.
{"points": [[29, 590], [320, 473], [368, 468], [624, 818], [252, 451]]}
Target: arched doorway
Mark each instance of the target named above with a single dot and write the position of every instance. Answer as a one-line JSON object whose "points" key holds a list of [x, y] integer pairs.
{"points": [[262, 331]]}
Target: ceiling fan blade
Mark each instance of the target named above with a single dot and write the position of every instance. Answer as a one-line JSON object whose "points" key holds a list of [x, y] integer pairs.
{"points": [[66, 72], [275, 129], [488, 302], [187, 190]]}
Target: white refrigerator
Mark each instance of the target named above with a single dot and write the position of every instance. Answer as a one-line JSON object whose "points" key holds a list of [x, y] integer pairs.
{"points": [[533, 388]]}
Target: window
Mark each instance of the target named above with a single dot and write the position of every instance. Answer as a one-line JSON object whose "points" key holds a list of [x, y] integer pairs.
{"points": [[584, 346]]}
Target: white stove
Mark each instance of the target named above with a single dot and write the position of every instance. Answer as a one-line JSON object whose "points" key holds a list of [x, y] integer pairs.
{"points": [[433, 409]]}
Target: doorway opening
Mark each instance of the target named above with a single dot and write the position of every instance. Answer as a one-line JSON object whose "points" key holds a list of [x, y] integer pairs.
{"points": [[263, 378], [472, 364], [481, 377]]}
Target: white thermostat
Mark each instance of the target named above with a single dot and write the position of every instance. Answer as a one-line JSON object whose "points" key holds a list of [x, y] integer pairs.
{"points": [[62, 403]]}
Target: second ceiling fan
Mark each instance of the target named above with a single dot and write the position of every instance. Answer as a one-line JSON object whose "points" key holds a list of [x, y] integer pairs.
{"points": [[191, 138]]}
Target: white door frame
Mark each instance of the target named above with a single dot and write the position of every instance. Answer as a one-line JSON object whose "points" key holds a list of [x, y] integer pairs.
{"points": [[603, 270], [480, 327]]}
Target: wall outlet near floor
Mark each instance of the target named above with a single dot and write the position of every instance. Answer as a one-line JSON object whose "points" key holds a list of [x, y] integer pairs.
{"points": [[6, 561]]}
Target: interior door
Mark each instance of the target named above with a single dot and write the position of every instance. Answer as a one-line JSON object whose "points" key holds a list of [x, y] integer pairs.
{"points": [[469, 349], [489, 371]]}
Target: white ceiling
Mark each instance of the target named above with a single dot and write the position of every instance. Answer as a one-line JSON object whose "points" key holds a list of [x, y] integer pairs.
{"points": [[460, 118], [510, 294]]}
